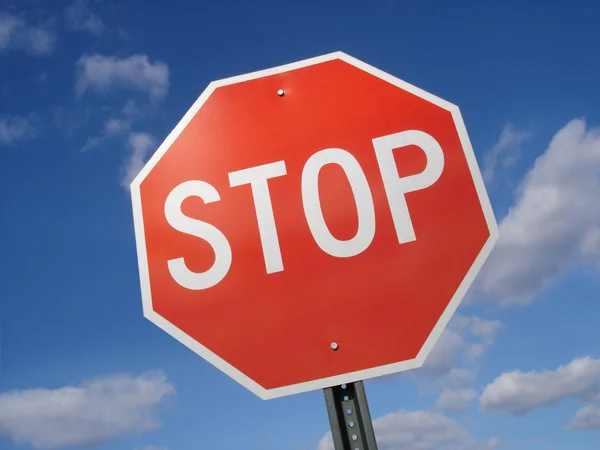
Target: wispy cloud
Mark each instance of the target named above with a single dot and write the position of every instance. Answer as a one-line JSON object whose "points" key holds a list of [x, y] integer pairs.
{"points": [[587, 418], [91, 143], [457, 398], [17, 35], [79, 17], [504, 151], [123, 122], [555, 222], [444, 354], [420, 430], [91, 413], [117, 125], [140, 145], [466, 339], [14, 129], [519, 392], [101, 74], [453, 363], [70, 119]]}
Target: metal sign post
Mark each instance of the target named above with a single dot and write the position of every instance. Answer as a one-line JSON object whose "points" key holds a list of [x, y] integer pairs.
{"points": [[349, 417]]}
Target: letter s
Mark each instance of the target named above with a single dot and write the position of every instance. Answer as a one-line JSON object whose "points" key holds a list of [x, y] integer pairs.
{"points": [[217, 240]]}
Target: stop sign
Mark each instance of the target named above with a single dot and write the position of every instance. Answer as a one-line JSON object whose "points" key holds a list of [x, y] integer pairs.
{"points": [[311, 225]]}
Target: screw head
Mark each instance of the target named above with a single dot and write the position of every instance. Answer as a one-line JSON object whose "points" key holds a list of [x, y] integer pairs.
{"points": [[281, 92], [334, 346]]}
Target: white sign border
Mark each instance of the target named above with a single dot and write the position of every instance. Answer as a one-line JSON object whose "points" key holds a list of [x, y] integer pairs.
{"points": [[322, 383]]}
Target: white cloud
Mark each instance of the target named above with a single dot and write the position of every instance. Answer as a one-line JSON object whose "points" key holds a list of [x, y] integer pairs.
{"points": [[475, 352], [91, 143], [484, 329], [518, 392], [91, 413], [129, 114], [130, 110], [590, 244], [467, 335], [80, 18], [587, 418], [459, 379], [116, 126], [16, 34], [419, 430], [443, 355], [458, 393], [466, 341], [504, 150], [140, 146], [554, 224], [456, 400], [101, 73], [13, 129]]}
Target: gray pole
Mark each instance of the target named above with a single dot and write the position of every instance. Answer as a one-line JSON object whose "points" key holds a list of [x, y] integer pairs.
{"points": [[349, 417]]}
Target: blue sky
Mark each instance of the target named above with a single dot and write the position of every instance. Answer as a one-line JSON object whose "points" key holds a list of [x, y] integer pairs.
{"points": [[89, 89]]}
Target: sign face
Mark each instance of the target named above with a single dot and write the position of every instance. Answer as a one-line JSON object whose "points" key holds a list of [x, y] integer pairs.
{"points": [[311, 225]]}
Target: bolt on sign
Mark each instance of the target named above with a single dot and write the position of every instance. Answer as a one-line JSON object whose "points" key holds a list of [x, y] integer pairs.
{"points": [[311, 225]]}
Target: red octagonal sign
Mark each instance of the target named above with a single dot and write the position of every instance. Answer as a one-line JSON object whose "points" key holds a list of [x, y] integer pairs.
{"points": [[311, 225]]}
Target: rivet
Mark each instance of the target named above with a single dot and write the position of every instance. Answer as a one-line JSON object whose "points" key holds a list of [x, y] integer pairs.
{"points": [[334, 346], [281, 92]]}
